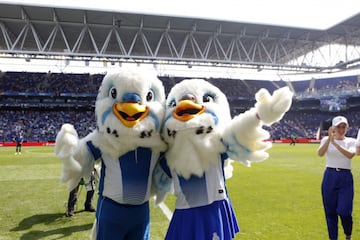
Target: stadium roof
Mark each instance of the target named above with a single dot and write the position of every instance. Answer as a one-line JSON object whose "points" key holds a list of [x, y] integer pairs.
{"points": [[31, 31]]}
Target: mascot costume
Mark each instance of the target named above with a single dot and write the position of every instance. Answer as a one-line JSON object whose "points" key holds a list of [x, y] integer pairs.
{"points": [[201, 135], [129, 112]]}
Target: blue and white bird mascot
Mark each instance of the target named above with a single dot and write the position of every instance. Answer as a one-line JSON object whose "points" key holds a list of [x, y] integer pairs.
{"points": [[201, 135], [129, 112]]}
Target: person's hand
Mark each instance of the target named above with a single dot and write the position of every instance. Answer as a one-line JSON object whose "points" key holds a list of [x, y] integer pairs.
{"points": [[331, 134]]}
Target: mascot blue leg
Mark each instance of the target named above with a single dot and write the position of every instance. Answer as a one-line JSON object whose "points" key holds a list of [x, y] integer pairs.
{"points": [[131, 221]]}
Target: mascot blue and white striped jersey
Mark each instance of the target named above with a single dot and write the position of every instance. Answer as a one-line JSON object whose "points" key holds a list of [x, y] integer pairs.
{"points": [[129, 111], [210, 187], [128, 179]]}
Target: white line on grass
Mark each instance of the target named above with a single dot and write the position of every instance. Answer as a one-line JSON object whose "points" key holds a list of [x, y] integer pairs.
{"points": [[167, 212]]}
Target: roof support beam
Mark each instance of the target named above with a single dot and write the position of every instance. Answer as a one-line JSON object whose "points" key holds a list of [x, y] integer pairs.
{"points": [[174, 40]]}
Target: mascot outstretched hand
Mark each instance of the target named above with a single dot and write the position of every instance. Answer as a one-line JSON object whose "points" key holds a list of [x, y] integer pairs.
{"points": [[129, 112], [201, 136]]}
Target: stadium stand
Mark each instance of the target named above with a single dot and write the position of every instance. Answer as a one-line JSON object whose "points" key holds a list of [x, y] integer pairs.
{"points": [[39, 103], [301, 86]]}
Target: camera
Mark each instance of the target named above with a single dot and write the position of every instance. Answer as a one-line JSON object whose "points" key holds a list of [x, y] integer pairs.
{"points": [[324, 127]]}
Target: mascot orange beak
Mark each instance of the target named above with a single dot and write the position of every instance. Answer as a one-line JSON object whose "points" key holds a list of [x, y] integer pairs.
{"points": [[186, 110], [130, 113]]}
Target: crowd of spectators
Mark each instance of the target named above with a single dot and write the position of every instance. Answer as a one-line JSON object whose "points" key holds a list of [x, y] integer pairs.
{"points": [[55, 83], [344, 86], [40, 125]]}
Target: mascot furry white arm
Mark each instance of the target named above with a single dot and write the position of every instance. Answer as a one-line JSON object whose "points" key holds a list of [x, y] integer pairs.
{"points": [[201, 135], [129, 112], [244, 135]]}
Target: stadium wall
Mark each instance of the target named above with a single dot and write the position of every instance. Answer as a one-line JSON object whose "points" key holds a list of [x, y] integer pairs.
{"points": [[39, 144], [27, 144]]}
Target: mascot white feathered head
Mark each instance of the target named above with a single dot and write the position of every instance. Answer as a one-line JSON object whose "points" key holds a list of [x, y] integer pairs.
{"points": [[198, 126], [196, 112], [130, 108], [194, 103]]}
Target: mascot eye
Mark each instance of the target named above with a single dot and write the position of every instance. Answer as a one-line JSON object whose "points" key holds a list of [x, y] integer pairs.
{"points": [[150, 96], [113, 93], [208, 98], [172, 103]]}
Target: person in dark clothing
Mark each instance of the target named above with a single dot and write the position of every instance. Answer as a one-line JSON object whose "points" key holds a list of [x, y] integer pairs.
{"points": [[73, 196], [293, 140], [18, 140]]}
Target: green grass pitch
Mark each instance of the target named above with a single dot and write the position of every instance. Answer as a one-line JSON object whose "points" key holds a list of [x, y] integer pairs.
{"points": [[275, 199]]}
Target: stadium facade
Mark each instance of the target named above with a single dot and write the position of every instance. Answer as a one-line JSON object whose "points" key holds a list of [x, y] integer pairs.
{"points": [[37, 103]]}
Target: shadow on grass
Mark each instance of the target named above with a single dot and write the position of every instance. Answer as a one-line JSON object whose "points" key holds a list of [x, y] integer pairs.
{"points": [[28, 223], [61, 232]]}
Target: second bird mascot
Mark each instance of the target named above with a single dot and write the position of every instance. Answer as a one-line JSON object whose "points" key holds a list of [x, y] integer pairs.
{"points": [[201, 135]]}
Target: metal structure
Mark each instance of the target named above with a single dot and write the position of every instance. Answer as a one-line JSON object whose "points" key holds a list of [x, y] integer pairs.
{"points": [[115, 37]]}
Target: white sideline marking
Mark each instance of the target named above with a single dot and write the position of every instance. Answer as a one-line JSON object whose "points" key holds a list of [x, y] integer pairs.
{"points": [[167, 212]]}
